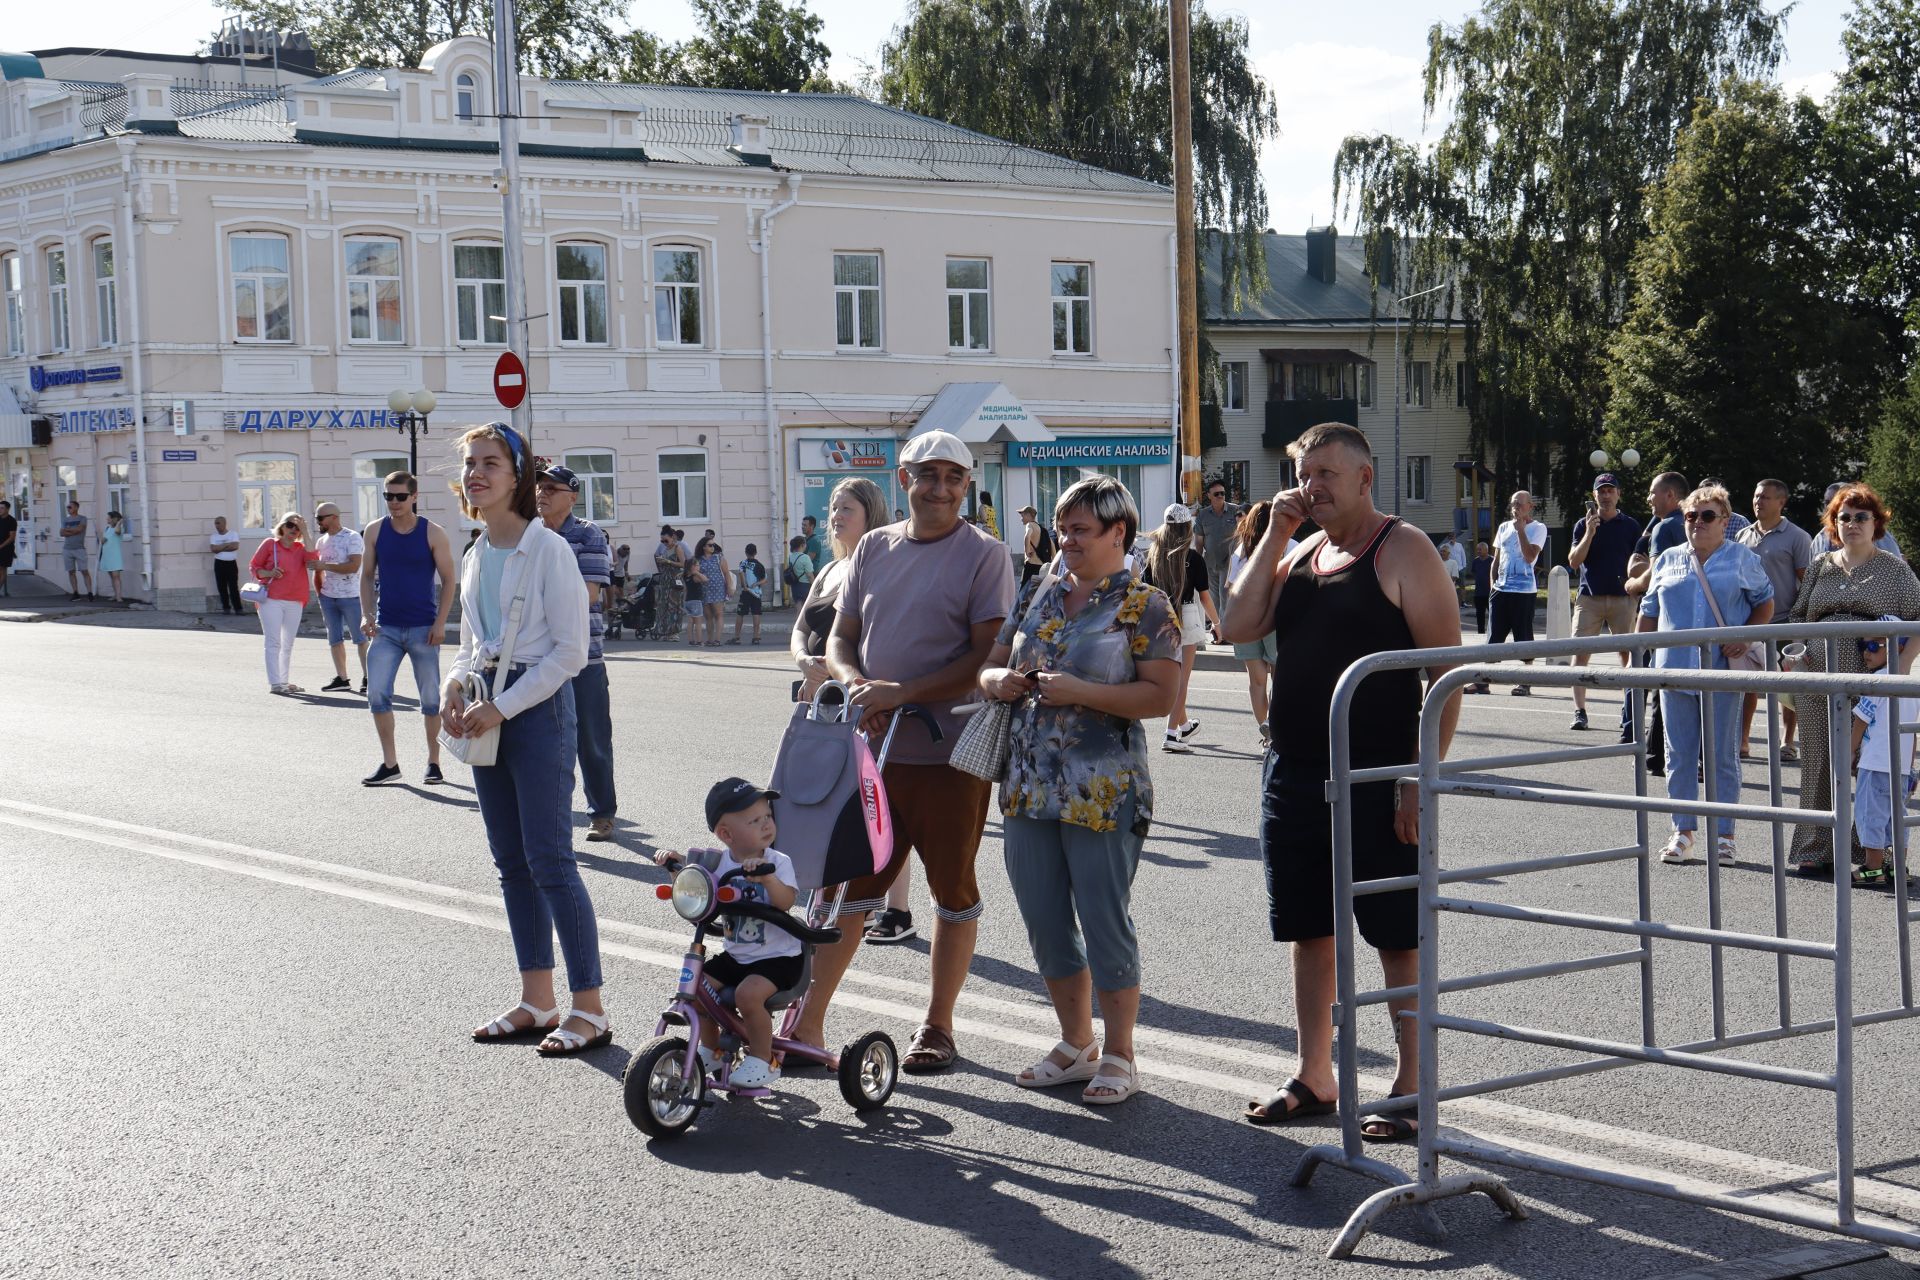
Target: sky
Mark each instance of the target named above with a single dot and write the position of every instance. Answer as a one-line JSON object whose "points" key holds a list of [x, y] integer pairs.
{"points": [[1335, 69]]}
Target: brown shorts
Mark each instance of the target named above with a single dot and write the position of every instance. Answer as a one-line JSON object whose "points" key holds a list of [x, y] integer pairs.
{"points": [[939, 812], [1611, 615]]}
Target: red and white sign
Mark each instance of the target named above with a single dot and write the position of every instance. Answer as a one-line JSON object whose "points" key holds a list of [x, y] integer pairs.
{"points": [[509, 380]]}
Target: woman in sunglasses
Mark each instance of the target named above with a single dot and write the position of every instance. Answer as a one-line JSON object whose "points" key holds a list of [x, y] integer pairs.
{"points": [[282, 563], [1678, 599], [1856, 582]]}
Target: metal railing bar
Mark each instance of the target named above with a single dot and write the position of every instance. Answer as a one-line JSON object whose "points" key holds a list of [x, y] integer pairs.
{"points": [[1567, 755], [1879, 1230], [1708, 711], [1499, 977], [1635, 1052], [1466, 875], [1839, 750], [1630, 804], [1695, 680], [1641, 928]]}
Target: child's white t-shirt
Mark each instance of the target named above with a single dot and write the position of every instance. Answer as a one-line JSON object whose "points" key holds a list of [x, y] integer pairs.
{"points": [[750, 941], [1873, 744]]}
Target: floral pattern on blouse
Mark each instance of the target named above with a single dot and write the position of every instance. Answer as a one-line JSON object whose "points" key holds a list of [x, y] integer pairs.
{"points": [[1070, 764]]}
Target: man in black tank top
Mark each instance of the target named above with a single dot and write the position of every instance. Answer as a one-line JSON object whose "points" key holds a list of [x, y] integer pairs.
{"points": [[1366, 583]]}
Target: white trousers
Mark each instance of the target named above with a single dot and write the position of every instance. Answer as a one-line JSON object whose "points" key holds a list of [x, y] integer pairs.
{"points": [[279, 622]]}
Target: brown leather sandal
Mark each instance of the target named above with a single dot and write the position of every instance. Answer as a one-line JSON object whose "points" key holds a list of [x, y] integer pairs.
{"points": [[931, 1049]]}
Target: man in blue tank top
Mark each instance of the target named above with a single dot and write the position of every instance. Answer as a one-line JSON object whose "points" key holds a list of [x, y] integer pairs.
{"points": [[1366, 583], [404, 612]]}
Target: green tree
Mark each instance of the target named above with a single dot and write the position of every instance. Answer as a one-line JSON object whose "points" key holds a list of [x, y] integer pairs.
{"points": [[1531, 206], [1893, 461], [1089, 80], [1726, 362], [562, 39], [752, 44]]}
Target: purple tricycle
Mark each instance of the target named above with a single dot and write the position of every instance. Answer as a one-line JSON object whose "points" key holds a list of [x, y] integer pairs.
{"points": [[835, 826]]}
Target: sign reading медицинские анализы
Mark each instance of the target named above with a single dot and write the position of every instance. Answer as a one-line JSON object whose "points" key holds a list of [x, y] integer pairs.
{"points": [[1091, 451]]}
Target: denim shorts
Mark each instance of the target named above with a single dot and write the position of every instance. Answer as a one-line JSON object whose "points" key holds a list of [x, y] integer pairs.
{"points": [[383, 664], [1872, 810], [343, 618]]}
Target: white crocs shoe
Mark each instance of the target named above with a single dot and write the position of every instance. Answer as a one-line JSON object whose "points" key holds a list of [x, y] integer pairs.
{"points": [[753, 1073]]}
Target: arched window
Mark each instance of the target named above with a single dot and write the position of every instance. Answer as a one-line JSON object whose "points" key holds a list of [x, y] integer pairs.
{"points": [[262, 287], [464, 92]]}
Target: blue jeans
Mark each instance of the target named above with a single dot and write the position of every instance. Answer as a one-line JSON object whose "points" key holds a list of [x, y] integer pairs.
{"points": [[383, 664], [343, 618], [1681, 711], [526, 800], [593, 704]]}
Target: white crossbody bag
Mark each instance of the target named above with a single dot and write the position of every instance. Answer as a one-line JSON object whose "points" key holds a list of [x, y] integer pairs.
{"points": [[479, 750]]}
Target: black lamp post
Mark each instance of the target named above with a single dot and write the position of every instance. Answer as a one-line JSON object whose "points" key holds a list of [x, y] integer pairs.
{"points": [[410, 410]]}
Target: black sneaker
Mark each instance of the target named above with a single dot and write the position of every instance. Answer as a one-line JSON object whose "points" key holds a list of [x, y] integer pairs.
{"points": [[338, 682], [1521, 691], [363, 686], [1626, 735], [1579, 718], [890, 926], [382, 776], [432, 777]]}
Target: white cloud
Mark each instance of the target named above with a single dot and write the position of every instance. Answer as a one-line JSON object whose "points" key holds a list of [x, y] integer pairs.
{"points": [[1816, 85], [1324, 92]]}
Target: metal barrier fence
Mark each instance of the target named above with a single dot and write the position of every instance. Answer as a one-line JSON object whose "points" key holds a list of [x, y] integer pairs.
{"points": [[1437, 777]]}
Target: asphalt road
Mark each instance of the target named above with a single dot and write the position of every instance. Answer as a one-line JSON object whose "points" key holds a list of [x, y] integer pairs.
{"points": [[242, 986]]}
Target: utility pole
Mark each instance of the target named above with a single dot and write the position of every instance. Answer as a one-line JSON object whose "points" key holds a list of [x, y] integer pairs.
{"points": [[506, 98], [1186, 273]]}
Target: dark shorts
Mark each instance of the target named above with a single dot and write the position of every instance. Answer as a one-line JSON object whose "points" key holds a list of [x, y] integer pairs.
{"points": [[724, 971], [1296, 842], [1512, 616], [6, 557], [749, 606]]}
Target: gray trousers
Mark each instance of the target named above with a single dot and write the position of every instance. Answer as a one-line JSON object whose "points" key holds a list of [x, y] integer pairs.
{"points": [[1069, 879]]}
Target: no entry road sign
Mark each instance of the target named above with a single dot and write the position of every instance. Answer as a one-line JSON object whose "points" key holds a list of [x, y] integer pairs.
{"points": [[509, 380]]}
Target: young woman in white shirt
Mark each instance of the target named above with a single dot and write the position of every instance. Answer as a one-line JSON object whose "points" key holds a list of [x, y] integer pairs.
{"points": [[526, 796]]}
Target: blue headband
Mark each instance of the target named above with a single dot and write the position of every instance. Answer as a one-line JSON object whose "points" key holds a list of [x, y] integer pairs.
{"points": [[513, 443]]}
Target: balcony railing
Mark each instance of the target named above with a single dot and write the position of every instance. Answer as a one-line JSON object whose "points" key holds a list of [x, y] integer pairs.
{"points": [[1286, 419]]}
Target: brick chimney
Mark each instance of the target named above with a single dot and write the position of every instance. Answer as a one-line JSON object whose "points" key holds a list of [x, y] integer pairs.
{"points": [[1321, 242]]}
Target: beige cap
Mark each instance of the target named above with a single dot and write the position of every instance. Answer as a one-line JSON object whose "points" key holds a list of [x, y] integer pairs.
{"points": [[937, 446]]}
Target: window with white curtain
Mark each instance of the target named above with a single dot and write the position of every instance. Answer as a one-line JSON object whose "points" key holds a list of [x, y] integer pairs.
{"points": [[262, 287], [480, 292], [269, 487], [373, 289], [58, 315]]}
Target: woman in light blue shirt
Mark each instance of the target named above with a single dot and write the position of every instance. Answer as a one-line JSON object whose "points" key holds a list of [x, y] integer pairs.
{"points": [[1743, 594]]}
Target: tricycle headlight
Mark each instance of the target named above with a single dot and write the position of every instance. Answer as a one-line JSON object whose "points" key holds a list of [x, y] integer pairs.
{"points": [[693, 893]]}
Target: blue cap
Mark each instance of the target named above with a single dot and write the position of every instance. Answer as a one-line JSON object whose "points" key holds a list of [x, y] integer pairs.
{"points": [[562, 475], [1606, 479]]}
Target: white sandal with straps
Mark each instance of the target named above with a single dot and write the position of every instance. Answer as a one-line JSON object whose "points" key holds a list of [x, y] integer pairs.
{"points": [[505, 1028], [572, 1042], [1116, 1078], [1046, 1073]]}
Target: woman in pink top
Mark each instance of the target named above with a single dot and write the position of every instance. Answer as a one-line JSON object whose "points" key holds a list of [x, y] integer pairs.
{"points": [[282, 563]]}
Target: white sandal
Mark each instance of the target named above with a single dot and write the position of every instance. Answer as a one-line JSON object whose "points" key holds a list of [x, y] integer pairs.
{"points": [[1117, 1079], [1046, 1073], [505, 1028], [1679, 844], [1726, 853], [567, 1043]]}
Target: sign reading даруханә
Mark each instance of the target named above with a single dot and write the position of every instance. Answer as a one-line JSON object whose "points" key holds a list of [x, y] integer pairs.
{"points": [[1082, 450], [308, 420]]}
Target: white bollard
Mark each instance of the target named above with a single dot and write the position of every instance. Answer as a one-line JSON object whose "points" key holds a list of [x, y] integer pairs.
{"points": [[1559, 609]]}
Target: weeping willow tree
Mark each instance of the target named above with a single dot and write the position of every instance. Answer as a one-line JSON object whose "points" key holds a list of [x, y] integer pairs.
{"points": [[1559, 116], [1088, 80]]}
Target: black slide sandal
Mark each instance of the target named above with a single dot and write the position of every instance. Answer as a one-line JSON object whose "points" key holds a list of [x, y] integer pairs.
{"points": [[1399, 1128], [1274, 1110]]}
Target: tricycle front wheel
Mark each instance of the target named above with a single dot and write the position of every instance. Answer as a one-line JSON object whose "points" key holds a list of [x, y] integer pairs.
{"points": [[869, 1068], [658, 1099]]}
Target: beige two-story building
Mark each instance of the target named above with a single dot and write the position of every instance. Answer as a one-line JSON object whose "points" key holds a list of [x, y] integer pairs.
{"points": [[735, 298]]}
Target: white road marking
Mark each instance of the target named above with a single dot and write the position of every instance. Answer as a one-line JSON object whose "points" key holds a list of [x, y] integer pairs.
{"points": [[449, 903]]}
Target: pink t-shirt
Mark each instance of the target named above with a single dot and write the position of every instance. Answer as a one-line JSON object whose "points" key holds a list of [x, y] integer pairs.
{"points": [[917, 604], [297, 586]]}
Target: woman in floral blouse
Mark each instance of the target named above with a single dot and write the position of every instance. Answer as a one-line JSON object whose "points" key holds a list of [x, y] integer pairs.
{"points": [[1085, 657]]}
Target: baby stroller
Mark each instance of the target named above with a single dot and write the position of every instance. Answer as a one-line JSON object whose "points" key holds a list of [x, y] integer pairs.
{"points": [[835, 826], [635, 613]]}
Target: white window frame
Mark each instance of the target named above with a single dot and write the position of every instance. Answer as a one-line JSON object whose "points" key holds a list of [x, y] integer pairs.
{"points": [[1233, 397], [66, 487], [1077, 308], [673, 502], [965, 295], [260, 281], [860, 301], [466, 95], [599, 473], [16, 306], [574, 294], [1419, 478], [367, 285], [671, 299], [478, 289], [120, 493], [1419, 388], [59, 308], [106, 296], [242, 486], [367, 488]]}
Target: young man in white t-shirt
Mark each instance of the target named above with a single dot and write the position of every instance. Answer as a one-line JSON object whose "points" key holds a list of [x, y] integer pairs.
{"points": [[226, 564], [1516, 549], [337, 575]]}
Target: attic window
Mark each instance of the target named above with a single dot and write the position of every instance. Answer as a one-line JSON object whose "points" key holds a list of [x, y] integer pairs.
{"points": [[464, 88]]}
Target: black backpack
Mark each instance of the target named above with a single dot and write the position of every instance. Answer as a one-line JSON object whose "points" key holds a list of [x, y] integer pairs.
{"points": [[1044, 546]]}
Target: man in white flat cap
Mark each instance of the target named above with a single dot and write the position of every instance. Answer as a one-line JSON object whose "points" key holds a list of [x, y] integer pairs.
{"points": [[919, 611]]}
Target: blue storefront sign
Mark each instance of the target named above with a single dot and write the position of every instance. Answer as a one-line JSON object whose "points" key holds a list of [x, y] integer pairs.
{"points": [[80, 422], [42, 377], [304, 418], [1091, 451]]}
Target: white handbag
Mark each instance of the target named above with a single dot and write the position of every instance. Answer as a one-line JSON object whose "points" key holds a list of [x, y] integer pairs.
{"points": [[480, 750]]}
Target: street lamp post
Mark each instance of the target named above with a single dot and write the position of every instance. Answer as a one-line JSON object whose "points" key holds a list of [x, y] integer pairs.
{"points": [[1399, 395], [410, 410]]}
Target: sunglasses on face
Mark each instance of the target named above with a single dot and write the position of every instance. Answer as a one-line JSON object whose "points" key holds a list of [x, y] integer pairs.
{"points": [[1853, 517], [1702, 517], [398, 497]]}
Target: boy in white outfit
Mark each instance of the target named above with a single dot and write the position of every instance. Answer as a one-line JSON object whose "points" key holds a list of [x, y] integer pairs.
{"points": [[1874, 723]]}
